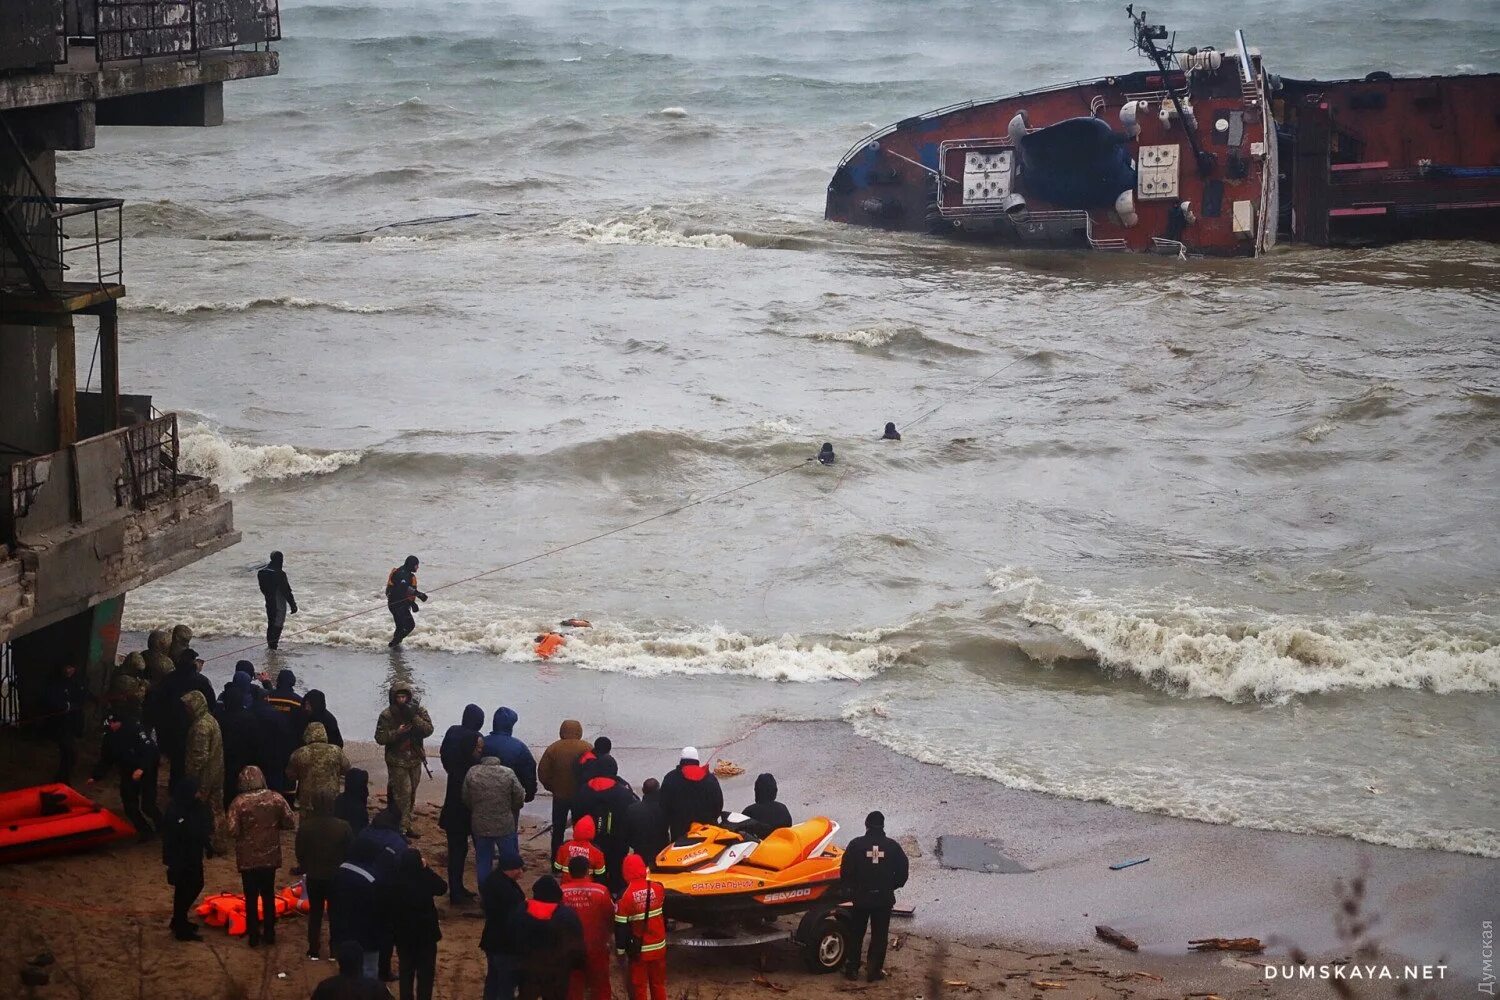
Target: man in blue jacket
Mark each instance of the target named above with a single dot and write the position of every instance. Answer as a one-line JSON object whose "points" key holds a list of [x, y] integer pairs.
{"points": [[513, 753]]}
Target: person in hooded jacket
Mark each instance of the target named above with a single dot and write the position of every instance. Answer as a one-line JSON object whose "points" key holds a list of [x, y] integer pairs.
{"points": [[128, 747], [316, 765], [354, 906], [277, 590], [581, 845], [126, 695], [646, 823], [274, 737], [767, 812], [351, 983], [414, 923], [596, 912], [607, 799], [323, 842], [241, 736], [158, 661], [401, 728], [873, 868], [503, 899], [62, 715], [166, 712], [187, 831], [494, 796], [384, 832], [284, 697], [256, 818], [588, 762], [513, 752], [558, 772], [315, 709], [182, 639], [550, 937], [641, 931], [690, 794], [352, 805], [203, 758], [459, 751], [238, 686]]}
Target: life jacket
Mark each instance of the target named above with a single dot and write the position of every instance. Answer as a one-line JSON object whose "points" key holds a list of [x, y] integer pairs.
{"points": [[640, 909], [579, 849], [548, 644], [400, 584]]}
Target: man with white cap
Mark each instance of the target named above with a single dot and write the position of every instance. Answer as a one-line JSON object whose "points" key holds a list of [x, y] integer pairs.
{"points": [[690, 794]]}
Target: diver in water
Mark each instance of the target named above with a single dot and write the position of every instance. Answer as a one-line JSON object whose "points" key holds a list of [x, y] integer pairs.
{"points": [[402, 595], [826, 456], [891, 434], [277, 590]]}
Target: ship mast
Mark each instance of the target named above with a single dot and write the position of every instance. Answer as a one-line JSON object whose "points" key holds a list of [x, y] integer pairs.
{"points": [[1146, 37]]}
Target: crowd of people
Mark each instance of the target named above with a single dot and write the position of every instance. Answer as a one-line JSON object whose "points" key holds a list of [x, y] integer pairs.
{"points": [[257, 759]]}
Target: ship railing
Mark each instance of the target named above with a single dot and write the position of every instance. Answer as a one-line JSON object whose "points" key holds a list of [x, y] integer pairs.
{"points": [[1109, 244]]}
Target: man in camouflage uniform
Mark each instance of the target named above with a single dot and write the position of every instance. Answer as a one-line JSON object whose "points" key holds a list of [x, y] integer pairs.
{"points": [[401, 729], [316, 766], [182, 638], [158, 660], [204, 760], [127, 689]]}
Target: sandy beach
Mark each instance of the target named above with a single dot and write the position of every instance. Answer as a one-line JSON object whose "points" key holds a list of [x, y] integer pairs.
{"points": [[102, 914]]}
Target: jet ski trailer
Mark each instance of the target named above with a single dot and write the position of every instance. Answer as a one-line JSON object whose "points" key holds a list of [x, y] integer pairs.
{"points": [[1205, 152]]}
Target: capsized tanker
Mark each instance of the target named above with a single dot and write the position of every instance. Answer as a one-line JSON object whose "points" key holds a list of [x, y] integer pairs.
{"points": [[1204, 152]]}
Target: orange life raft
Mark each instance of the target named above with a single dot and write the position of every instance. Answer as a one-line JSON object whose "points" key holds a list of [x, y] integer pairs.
{"points": [[53, 819], [227, 909]]}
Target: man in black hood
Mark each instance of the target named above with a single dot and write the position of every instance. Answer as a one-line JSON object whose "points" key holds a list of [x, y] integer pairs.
{"points": [[351, 983], [459, 752], [647, 824], [873, 868], [277, 590], [608, 798], [187, 832], [315, 709], [402, 595], [275, 739], [770, 814], [284, 696]]}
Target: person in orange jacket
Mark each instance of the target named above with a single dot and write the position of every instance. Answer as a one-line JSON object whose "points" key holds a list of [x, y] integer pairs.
{"points": [[641, 931], [581, 846], [596, 911]]}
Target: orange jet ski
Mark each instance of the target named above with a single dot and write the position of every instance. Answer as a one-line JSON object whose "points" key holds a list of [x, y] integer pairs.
{"points": [[730, 884]]}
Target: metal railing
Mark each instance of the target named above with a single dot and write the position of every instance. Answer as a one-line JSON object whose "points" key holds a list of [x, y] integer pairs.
{"points": [[142, 29], [78, 241]]}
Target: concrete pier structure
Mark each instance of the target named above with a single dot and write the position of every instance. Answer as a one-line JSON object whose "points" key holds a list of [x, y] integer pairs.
{"points": [[92, 500]]}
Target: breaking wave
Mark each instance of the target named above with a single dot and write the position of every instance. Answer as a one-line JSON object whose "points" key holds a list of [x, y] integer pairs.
{"points": [[232, 465], [888, 337], [644, 229], [245, 305], [1238, 654], [459, 627]]}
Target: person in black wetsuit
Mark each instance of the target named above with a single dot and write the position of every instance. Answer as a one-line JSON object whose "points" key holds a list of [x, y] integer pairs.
{"points": [[401, 596], [277, 590]]}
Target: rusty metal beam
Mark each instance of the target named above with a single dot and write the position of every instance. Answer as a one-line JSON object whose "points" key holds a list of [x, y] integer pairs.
{"points": [[109, 365], [67, 388]]}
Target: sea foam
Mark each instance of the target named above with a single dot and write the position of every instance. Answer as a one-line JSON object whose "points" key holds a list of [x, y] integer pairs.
{"points": [[232, 464]]}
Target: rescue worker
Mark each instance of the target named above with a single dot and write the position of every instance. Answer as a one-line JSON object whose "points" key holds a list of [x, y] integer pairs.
{"points": [[62, 712], [414, 923], [891, 434], [166, 714], [770, 814], [323, 842], [646, 823], [690, 794], [351, 983], [596, 912], [182, 639], [502, 898], [256, 818], [316, 765], [459, 752], [277, 590], [354, 915], [873, 868], [558, 773], [607, 799], [128, 747], [402, 727], [203, 759], [581, 846], [158, 661], [402, 595], [493, 796], [550, 938], [128, 689], [315, 709], [353, 804], [513, 752], [641, 932], [187, 832], [825, 454], [284, 697]]}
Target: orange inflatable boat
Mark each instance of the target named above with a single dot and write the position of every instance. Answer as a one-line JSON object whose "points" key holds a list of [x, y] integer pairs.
{"points": [[53, 819]]}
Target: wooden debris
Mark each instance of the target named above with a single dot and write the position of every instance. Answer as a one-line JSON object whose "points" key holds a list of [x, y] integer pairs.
{"points": [[1205, 996], [728, 769], [896, 942], [957, 984], [1145, 975], [1048, 984], [763, 981], [1249, 944], [1114, 937]]}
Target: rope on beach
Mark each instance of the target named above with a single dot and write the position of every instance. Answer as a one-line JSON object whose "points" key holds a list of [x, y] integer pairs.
{"points": [[540, 555]]}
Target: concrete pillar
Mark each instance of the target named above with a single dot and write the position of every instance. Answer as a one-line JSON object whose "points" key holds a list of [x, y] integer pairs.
{"points": [[109, 365], [67, 387]]}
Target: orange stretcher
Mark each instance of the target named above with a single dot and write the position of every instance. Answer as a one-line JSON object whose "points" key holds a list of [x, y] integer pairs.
{"points": [[227, 909]]}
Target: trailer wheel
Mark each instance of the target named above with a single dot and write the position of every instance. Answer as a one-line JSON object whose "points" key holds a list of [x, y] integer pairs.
{"points": [[825, 945]]}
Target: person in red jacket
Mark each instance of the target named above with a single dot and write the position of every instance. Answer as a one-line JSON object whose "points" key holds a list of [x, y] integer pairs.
{"points": [[581, 846], [596, 911], [641, 931]]}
